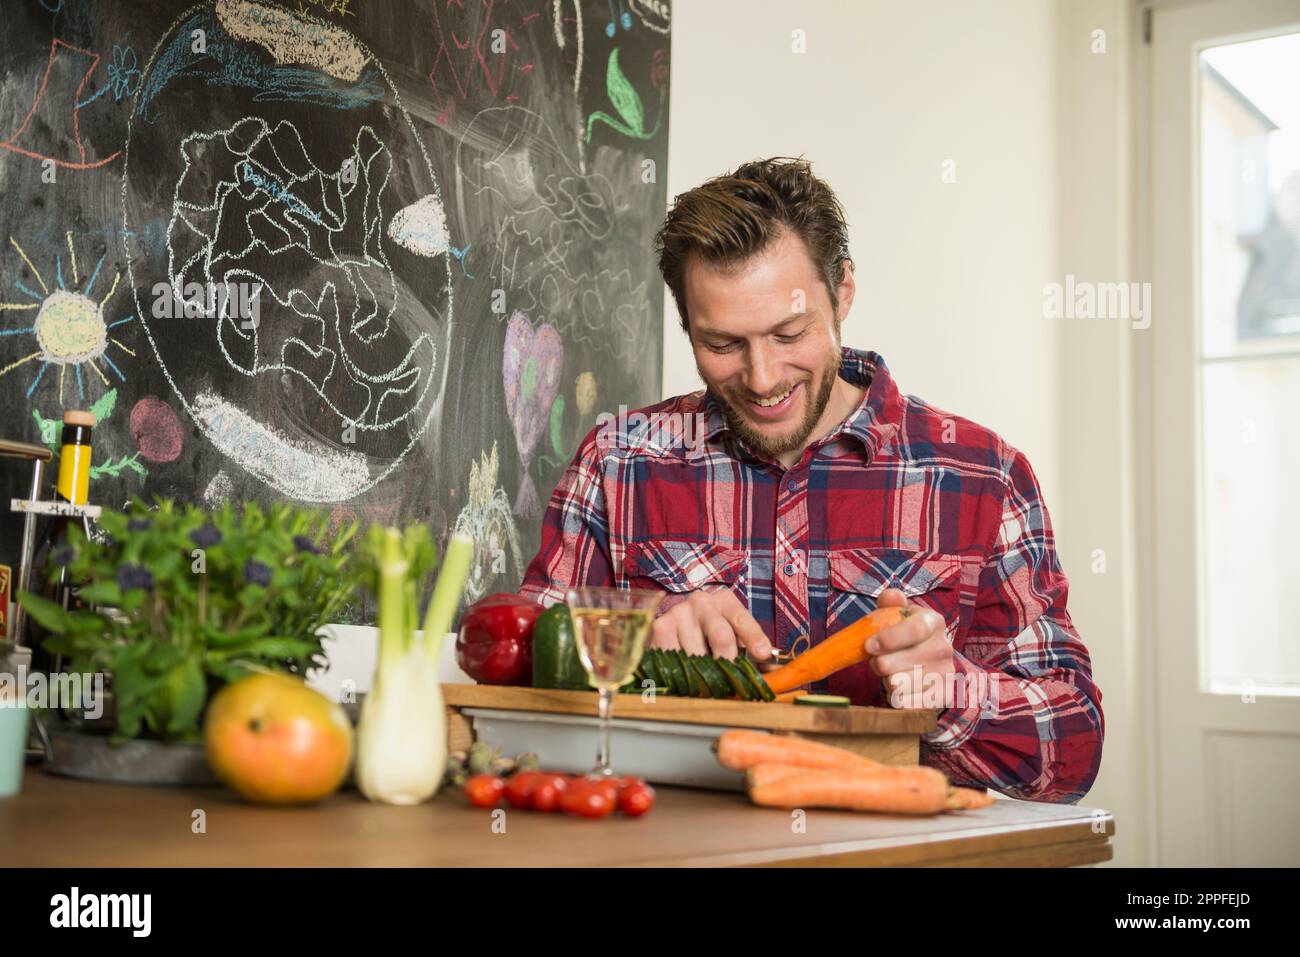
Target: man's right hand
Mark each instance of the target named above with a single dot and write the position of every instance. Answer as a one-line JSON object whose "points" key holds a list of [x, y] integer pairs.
{"points": [[712, 623]]}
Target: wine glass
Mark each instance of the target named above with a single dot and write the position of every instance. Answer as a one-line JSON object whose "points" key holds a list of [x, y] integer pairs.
{"points": [[610, 628]]}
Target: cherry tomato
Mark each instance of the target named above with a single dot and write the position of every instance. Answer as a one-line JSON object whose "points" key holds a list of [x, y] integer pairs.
{"points": [[519, 788], [606, 786], [587, 800], [636, 799], [547, 791], [484, 790], [628, 781]]}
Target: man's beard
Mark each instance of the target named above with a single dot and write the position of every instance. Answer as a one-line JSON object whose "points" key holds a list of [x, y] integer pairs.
{"points": [[773, 446]]}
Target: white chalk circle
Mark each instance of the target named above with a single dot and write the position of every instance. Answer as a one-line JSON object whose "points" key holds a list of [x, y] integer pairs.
{"points": [[281, 162]]}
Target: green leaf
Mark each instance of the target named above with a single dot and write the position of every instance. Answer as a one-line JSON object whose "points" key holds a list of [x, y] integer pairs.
{"points": [[101, 593], [624, 96], [186, 691], [103, 406], [557, 425], [278, 648], [48, 614]]}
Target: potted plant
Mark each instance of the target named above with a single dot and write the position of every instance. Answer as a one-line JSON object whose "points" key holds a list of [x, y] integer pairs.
{"points": [[180, 600]]}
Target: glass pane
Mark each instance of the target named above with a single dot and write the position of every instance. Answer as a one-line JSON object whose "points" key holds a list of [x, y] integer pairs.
{"points": [[1250, 376], [1250, 196], [1252, 523]]}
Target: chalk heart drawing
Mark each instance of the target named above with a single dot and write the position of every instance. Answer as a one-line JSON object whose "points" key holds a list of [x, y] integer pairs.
{"points": [[337, 378], [530, 371]]}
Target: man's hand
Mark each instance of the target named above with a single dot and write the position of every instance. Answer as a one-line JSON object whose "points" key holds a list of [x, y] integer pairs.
{"points": [[711, 623], [916, 640]]}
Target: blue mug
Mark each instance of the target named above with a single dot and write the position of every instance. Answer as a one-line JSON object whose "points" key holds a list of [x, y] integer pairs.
{"points": [[13, 742]]}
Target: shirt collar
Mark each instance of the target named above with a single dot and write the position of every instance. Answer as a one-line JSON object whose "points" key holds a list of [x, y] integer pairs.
{"points": [[873, 423]]}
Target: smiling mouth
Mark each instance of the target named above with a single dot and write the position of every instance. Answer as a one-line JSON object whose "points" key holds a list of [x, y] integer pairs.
{"points": [[774, 400]]}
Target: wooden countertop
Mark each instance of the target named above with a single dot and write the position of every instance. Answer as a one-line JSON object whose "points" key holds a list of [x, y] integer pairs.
{"points": [[60, 822]]}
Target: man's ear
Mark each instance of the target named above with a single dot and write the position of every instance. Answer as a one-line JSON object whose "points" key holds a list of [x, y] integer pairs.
{"points": [[845, 291]]}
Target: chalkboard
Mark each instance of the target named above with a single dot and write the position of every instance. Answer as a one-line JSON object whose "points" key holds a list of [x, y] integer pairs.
{"points": [[391, 258]]}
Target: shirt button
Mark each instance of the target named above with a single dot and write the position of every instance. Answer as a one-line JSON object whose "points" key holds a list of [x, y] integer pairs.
{"points": [[789, 568], [792, 485]]}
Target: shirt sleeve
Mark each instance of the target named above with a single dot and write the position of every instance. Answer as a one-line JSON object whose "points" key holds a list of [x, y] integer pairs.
{"points": [[575, 531], [1030, 723]]}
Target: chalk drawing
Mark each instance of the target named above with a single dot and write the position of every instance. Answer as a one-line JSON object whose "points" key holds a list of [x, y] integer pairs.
{"points": [[304, 469], [69, 328], [624, 18], [294, 39], [584, 392], [219, 490], [252, 204], [157, 431], [487, 519], [57, 111], [421, 227], [124, 77], [654, 15], [627, 103], [530, 370]]}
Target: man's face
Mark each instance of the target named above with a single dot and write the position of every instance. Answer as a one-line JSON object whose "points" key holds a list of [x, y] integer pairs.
{"points": [[772, 366]]}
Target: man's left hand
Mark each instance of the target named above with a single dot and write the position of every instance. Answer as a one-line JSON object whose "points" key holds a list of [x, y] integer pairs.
{"points": [[919, 639]]}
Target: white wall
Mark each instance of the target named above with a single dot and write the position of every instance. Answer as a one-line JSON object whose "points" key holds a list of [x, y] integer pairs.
{"points": [[950, 275]]}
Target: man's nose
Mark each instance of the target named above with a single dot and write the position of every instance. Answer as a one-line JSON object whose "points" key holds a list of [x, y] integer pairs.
{"points": [[764, 375]]}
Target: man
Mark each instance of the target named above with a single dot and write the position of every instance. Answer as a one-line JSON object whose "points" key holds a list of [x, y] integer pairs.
{"points": [[810, 491]]}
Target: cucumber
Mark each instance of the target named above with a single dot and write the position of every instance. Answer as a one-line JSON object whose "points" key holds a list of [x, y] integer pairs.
{"points": [[650, 669], [737, 680], [719, 686], [822, 701], [676, 675], [694, 685], [751, 673]]}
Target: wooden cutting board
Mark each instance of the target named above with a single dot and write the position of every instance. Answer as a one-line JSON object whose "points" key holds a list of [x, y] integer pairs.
{"points": [[886, 734]]}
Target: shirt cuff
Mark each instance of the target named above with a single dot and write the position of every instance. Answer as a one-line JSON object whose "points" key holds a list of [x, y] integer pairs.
{"points": [[976, 699]]}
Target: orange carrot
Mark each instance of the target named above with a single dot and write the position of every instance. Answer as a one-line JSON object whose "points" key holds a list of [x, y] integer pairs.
{"points": [[741, 750], [892, 790], [961, 799], [764, 774], [789, 696], [836, 652]]}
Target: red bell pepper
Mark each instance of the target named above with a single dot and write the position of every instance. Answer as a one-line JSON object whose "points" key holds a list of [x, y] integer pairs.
{"points": [[495, 643]]}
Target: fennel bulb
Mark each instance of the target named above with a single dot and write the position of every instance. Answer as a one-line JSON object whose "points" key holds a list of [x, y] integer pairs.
{"points": [[402, 735]]}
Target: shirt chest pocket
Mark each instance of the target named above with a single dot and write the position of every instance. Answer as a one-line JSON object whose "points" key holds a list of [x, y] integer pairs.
{"points": [[859, 575], [681, 567]]}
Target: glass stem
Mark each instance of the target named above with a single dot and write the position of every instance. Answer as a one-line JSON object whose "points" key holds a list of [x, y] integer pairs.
{"points": [[602, 748]]}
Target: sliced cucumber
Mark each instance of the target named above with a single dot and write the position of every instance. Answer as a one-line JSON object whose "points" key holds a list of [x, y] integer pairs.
{"points": [[694, 685], [676, 674], [739, 685], [823, 701], [719, 686], [650, 668], [751, 673]]}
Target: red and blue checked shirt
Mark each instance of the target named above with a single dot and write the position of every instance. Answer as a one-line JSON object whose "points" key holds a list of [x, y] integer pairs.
{"points": [[901, 494]]}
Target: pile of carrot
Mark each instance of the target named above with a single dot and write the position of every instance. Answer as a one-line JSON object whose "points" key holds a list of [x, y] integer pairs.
{"points": [[791, 772]]}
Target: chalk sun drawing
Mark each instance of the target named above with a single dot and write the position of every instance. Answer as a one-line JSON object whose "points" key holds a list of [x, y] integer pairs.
{"points": [[69, 328], [342, 364]]}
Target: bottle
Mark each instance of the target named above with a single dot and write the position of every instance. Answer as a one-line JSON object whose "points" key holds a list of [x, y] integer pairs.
{"points": [[72, 487], [74, 458]]}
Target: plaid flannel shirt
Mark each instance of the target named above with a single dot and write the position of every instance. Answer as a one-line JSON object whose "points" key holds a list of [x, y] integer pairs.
{"points": [[901, 494]]}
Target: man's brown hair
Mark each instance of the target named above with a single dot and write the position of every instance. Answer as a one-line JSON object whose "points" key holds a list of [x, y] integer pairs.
{"points": [[732, 217]]}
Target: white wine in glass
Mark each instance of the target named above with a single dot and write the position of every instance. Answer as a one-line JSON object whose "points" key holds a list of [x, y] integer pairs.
{"points": [[610, 628]]}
